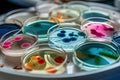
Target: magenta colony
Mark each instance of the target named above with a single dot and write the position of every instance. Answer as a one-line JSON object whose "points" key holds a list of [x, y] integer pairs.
{"points": [[15, 46], [7, 44], [98, 30]]}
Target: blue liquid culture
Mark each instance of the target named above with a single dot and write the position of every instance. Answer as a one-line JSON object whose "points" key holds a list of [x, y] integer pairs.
{"points": [[6, 27]]}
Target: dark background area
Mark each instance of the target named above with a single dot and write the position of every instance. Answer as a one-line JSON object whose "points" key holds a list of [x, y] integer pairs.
{"points": [[6, 6]]}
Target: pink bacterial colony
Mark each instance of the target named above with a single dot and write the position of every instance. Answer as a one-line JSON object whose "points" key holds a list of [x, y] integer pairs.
{"points": [[98, 30], [7, 44]]}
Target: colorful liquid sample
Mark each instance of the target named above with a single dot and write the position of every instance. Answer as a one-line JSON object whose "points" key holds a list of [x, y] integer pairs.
{"points": [[67, 38], [64, 15], [4, 28], [45, 61], [90, 14], [95, 55], [98, 30], [16, 45], [38, 27]]}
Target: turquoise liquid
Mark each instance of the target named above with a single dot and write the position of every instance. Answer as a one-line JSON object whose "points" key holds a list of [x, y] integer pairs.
{"points": [[67, 38], [95, 14], [96, 55], [38, 27]]}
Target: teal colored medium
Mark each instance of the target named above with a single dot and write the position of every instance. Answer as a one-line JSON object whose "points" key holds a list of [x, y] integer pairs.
{"points": [[91, 14], [97, 54], [38, 27]]}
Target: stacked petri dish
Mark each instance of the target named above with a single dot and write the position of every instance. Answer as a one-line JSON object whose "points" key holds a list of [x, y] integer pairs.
{"points": [[15, 43], [94, 55], [39, 25], [5, 27], [20, 15], [99, 28], [63, 14], [43, 59], [66, 35]]}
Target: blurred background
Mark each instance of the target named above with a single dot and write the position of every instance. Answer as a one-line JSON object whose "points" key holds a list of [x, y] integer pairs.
{"points": [[8, 5]]}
